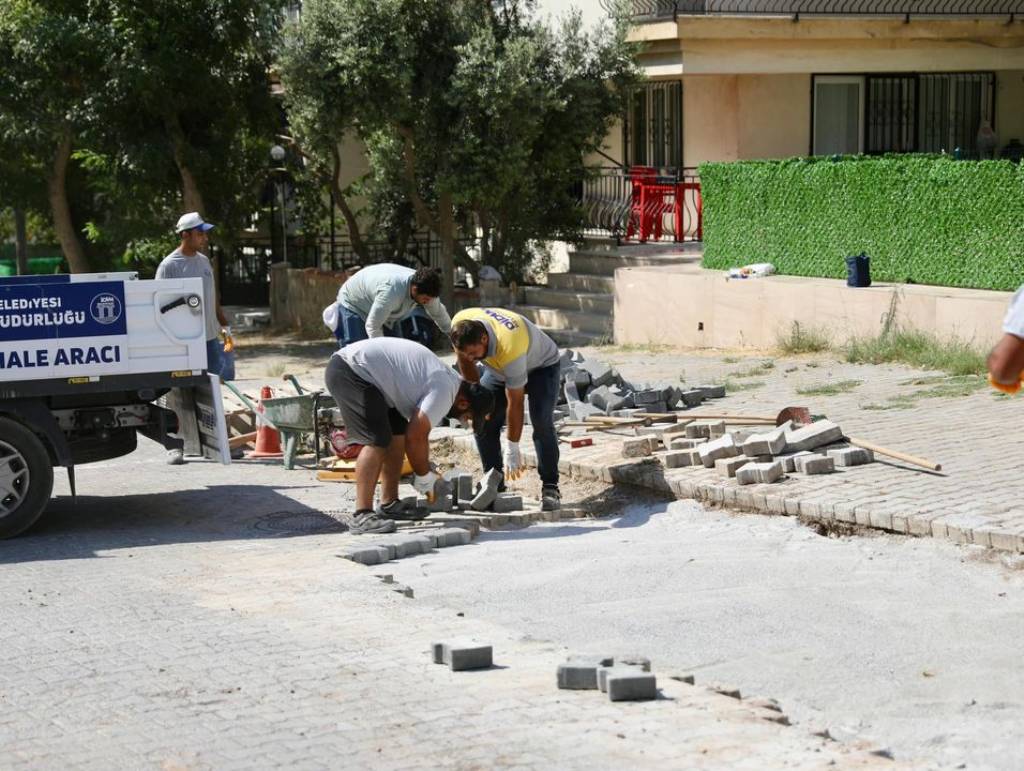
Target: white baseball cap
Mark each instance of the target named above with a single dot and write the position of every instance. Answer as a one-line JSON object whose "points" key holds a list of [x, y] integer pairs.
{"points": [[191, 221]]}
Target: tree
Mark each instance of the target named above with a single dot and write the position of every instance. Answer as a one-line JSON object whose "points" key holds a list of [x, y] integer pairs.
{"points": [[475, 117], [51, 53]]}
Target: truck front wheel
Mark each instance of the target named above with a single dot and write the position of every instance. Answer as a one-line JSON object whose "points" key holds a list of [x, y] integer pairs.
{"points": [[26, 478]]}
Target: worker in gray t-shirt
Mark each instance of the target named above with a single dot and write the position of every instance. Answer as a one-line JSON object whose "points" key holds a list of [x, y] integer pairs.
{"points": [[390, 393], [188, 261], [378, 298]]}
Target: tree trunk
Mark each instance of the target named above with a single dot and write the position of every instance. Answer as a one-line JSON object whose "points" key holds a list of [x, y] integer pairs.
{"points": [[57, 191], [446, 232], [354, 236], [193, 198], [424, 217], [20, 242]]}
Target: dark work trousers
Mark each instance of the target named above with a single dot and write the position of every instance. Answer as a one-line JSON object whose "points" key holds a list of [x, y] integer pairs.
{"points": [[542, 388]]}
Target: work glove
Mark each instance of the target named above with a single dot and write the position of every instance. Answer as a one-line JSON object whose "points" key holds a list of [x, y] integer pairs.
{"points": [[229, 341], [1006, 388], [513, 461], [424, 485]]}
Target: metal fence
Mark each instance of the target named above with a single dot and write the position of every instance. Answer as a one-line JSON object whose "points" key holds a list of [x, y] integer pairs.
{"points": [[615, 205], [653, 10]]}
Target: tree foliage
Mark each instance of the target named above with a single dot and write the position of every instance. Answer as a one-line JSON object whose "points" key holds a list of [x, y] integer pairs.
{"points": [[138, 110], [475, 116]]}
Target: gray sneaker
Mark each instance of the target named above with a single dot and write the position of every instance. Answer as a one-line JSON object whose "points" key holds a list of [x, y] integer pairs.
{"points": [[399, 509], [175, 457], [367, 521], [550, 498]]}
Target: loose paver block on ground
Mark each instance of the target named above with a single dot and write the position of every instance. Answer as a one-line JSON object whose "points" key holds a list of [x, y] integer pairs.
{"points": [[579, 673], [463, 655]]}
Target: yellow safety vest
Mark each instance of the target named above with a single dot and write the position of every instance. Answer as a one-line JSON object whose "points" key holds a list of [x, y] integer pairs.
{"points": [[507, 329]]}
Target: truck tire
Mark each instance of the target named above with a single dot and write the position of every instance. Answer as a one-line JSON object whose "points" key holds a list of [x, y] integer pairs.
{"points": [[26, 478]]}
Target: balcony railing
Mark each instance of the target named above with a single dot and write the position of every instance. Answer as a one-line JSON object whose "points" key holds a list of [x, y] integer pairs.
{"points": [[656, 10], [642, 204]]}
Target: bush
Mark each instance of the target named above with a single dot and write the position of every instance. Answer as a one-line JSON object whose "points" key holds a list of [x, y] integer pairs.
{"points": [[921, 219]]}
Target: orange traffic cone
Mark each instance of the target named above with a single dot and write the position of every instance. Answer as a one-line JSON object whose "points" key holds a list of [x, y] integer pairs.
{"points": [[268, 441]]}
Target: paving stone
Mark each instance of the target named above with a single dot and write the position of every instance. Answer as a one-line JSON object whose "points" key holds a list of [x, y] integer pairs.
{"points": [[759, 473], [760, 458], [462, 484], [599, 372], [506, 502], [681, 458], [636, 448], [648, 396], [698, 431], [693, 397], [604, 672], [768, 443], [851, 456], [572, 393], [656, 431], [441, 504], [684, 678], [463, 655], [579, 673], [716, 428], [789, 460], [488, 490], [813, 463], [367, 555], [712, 391], [654, 443], [723, 447], [727, 467], [819, 433], [631, 685], [631, 412], [449, 536], [674, 430], [400, 547], [600, 397], [682, 443]]}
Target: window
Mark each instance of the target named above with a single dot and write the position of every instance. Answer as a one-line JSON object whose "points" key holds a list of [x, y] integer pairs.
{"points": [[904, 113], [653, 126], [838, 115]]}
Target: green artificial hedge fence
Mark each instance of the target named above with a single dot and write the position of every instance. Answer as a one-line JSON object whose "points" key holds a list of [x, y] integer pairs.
{"points": [[921, 219]]}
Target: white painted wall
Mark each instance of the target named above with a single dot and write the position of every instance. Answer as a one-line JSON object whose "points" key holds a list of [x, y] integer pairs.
{"points": [[591, 10]]}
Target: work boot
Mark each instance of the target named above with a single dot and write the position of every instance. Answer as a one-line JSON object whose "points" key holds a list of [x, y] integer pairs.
{"points": [[175, 457], [399, 509], [367, 521], [550, 498]]}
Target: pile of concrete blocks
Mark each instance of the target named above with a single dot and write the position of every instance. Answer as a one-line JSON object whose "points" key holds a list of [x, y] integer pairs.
{"points": [[592, 387], [623, 678], [766, 456]]}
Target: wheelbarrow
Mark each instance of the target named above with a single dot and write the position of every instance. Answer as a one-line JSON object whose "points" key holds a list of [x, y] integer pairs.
{"points": [[290, 416]]}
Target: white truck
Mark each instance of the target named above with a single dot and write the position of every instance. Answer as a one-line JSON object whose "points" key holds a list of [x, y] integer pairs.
{"points": [[87, 363]]}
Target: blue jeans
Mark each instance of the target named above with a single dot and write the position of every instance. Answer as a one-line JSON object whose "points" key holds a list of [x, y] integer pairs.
{"points": [[352, 327], [214, 356], [542, 388]]}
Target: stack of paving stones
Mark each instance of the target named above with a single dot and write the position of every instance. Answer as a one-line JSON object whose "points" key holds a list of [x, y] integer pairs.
{"points": [[624, 678], [757, 458], [591, 387]]}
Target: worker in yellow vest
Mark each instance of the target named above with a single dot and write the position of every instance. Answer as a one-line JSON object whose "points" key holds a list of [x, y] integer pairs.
{"points": [[510, 356]]}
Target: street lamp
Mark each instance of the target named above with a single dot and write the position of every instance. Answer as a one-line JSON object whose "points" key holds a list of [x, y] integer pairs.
{"points": [[277, 155]]}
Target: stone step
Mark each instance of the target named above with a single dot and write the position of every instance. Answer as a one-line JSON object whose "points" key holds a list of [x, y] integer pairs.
{"points": [[581, 282], [558, 318], [605, 263], [570, 300]]}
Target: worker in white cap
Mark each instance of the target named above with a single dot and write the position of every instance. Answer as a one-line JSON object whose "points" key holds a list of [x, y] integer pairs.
{"points": [[188, 261]]}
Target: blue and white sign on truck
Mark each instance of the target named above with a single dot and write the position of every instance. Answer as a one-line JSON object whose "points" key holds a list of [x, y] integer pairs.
{"points": [[88, 362]]}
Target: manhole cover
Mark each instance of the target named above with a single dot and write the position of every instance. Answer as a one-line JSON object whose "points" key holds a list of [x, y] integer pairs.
{"points": [[290, 522]]}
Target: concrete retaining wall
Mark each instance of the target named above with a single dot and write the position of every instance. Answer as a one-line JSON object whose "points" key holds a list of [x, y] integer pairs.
{"points": [[689, 307]]}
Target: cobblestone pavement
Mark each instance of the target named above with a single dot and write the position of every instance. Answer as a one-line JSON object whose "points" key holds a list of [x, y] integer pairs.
{"points": [[199, 617], [977, 498]]}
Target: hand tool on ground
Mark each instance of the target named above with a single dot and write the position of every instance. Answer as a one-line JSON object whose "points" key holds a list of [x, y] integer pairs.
{"points": [[615, 421], [895, 454]]}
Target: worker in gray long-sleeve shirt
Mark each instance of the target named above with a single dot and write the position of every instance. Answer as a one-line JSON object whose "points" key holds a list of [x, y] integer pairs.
{"points": [[378, 298]]}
